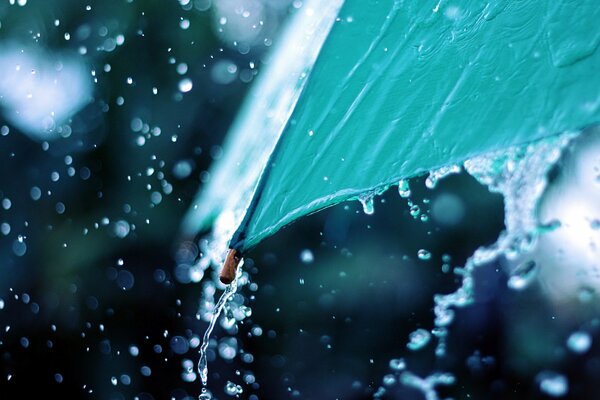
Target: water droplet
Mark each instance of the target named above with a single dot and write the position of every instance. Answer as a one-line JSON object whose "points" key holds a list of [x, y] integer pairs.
{"points": [[232, 389], [404, 188], [579, 342], [418, 339], [367, 203], [438, 174], [415, 210], [307, 256], [125, 279], [182, 169], [224, 72], [179, 345], [397, 364], [424, 254], [389, 380], [134, 350], [523, 275], [185, 85], [19, 247], [228, 348], [121, 228], [552, 383]]}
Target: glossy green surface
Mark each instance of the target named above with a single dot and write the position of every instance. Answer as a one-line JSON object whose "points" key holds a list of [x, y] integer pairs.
{"points": [[402, 87]]}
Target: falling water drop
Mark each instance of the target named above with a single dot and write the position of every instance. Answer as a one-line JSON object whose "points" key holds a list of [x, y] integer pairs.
{"points": [[553, 384], [185, 85], [579, 342], [404, 188], [397, 364], [523, 275], [418, 339], [423, 254], [367, 203], [231, 389]]}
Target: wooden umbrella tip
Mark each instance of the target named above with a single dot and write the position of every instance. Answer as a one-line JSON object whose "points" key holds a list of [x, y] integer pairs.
{"points": [[229, 270]]}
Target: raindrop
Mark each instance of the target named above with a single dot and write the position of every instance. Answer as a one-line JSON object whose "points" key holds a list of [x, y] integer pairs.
{"points": [[224, 72], [125, 279], [307, 256], [134, 350], [182, 68], [179, 345], [389, 380], [19, 247], [415, 210], [404, 188], [418, 339], [232, 389], [367, 203], [448, 209], [397, 364], [121, 228], [228, 348], [182, 169], [185, 85], [184, 24], [424, 255], [553, 384], [523, 275], [579, 342]]}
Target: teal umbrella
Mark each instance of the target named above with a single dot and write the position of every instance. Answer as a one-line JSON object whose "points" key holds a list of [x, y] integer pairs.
{"points": [[382, 90]]}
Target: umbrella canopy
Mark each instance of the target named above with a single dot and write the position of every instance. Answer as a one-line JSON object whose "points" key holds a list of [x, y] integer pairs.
{"points": [[400, 88]]}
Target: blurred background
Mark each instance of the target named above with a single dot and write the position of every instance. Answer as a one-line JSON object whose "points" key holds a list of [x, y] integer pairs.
{"points": [[111, 113]]}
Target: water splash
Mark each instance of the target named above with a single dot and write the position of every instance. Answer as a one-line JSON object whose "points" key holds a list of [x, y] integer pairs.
{"points": [[436, 175], [427, 385], [203, 364], [519, 174]]}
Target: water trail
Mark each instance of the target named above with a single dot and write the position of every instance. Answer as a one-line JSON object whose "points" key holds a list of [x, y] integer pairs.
{"points": [[202, 364]]}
